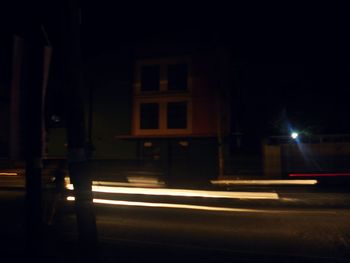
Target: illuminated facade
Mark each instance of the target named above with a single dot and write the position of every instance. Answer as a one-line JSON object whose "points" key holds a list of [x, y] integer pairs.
{"points": [[175, 97]]}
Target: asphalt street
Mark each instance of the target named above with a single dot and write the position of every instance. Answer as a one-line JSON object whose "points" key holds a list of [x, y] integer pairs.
{"points": [[226, 224]]}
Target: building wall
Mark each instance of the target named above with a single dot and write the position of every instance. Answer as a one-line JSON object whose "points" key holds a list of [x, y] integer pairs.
{"points": [[205, 86], [178, 159], [4, 128], [112, 117], [201, 96], [108, 81], [272, 161], [280, 160], [5, 81]]}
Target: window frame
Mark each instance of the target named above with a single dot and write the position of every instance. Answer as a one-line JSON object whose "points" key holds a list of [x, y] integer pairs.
{"points": [[163, 129], [141, 74], [163, 96], [167, 75], [171, 120], [158, 115], [163, 74]]}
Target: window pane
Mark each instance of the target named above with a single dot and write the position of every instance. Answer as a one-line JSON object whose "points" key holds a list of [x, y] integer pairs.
{"points": [[177, 115], [150, 78], [177, 77], [149, 116]]}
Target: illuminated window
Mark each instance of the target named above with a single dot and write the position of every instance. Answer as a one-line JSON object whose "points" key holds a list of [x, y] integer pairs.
{"points": [[177, 77], [149, 116], [150, 78], [177, 115]]}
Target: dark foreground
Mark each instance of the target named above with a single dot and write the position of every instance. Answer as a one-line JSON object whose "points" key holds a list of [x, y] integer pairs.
{"points": [[303, 225]]}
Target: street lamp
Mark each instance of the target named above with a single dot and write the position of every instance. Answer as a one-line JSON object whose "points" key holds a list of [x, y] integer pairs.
{"points": [[294, 135]]}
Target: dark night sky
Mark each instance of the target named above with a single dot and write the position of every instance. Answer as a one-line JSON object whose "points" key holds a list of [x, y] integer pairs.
{"points": [[292, 58]]}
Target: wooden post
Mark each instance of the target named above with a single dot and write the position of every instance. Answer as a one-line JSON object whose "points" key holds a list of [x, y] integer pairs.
{"points": [[220, 137], [15, 106], [33, 91], [76, 133], [223, 116]]}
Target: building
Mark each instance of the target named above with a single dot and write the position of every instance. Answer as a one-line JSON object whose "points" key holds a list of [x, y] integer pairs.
{"points": [[161, 109]]}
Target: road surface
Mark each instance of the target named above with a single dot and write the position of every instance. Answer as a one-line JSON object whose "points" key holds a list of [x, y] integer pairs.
{"points": [[301, 225]]}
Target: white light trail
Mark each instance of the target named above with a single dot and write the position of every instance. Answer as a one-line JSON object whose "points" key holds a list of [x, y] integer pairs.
{"points": [[167, 205], [203, 208], [181, 192], [130, 184], [133, 182], [264, 182]]}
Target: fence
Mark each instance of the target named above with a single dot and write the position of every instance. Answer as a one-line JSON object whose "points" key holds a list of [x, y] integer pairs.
{"points": [[313, 154]]}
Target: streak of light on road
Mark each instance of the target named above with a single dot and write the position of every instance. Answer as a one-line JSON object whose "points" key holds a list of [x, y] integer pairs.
{"points": [[130, 184], [264, 182], [181, 192], [8, 174], [197, 207], [168, 205]]}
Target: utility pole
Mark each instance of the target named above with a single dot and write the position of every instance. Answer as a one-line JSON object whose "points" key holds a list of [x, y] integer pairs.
{"points": [[76, 133], [223, 116], [15, 108], [33, 81]]}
